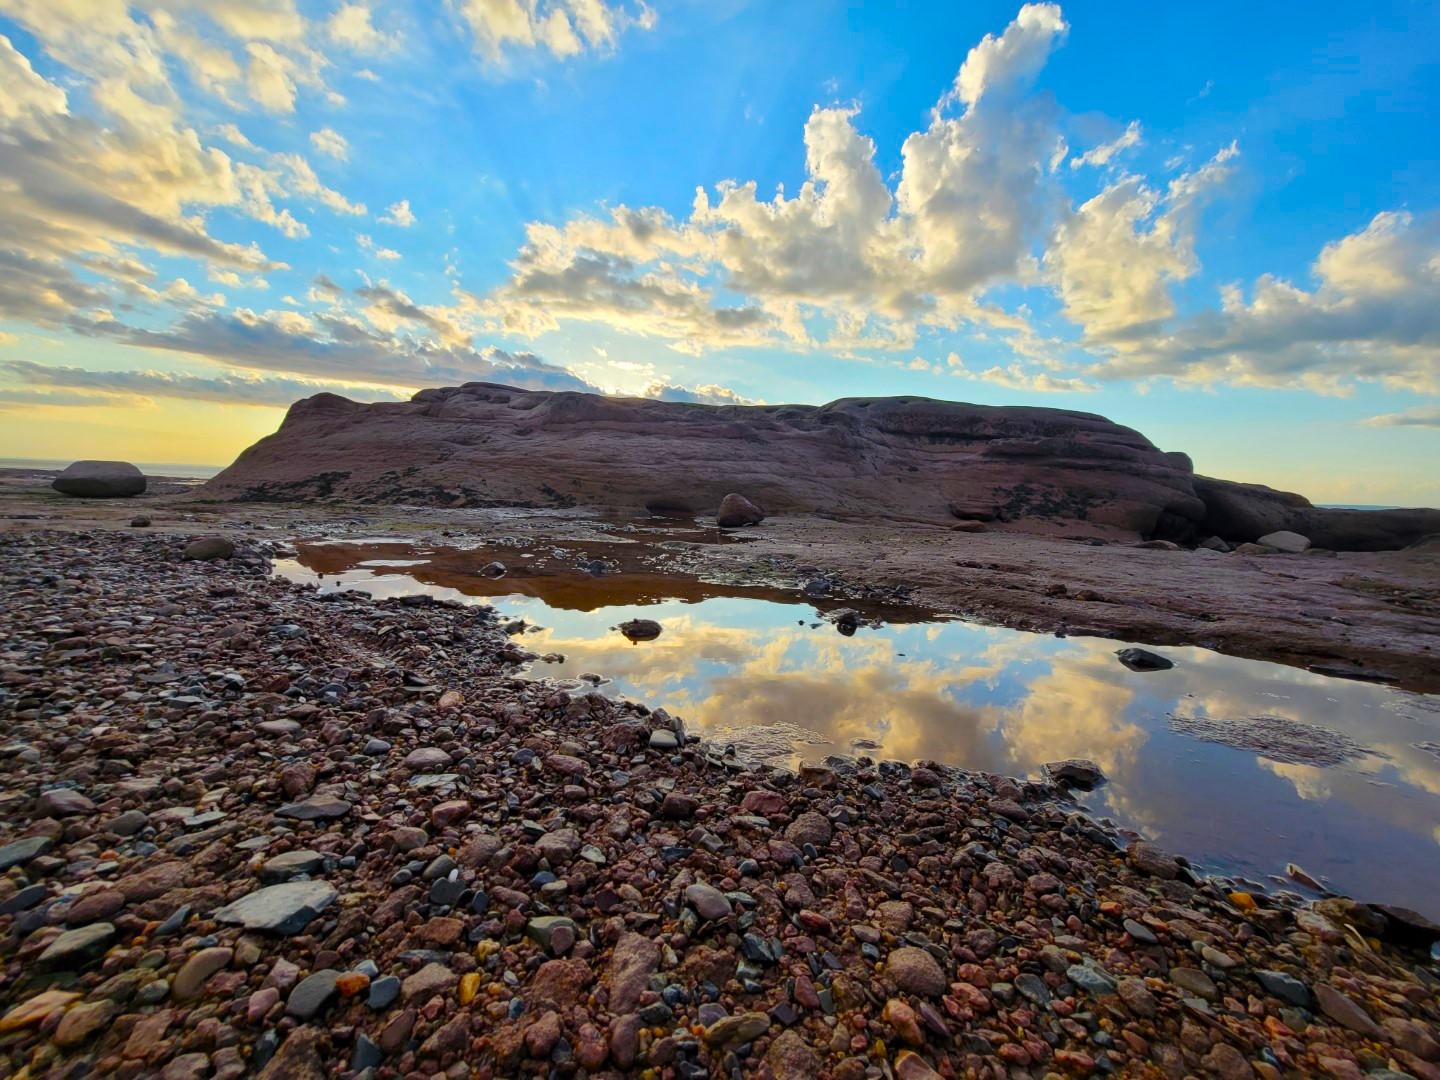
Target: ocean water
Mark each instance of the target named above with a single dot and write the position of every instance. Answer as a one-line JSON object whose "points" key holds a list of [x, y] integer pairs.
{"points": [[149, 468]]}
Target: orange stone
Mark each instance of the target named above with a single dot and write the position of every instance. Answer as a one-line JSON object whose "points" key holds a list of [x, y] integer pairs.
{"points": [[352, 983]]}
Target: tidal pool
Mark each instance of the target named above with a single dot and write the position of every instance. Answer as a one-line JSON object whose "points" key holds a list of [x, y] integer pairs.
{"points": [[1340, 778]]}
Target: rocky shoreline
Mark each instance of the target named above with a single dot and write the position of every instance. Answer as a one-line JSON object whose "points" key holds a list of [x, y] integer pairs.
{"points": [[251, 829]]}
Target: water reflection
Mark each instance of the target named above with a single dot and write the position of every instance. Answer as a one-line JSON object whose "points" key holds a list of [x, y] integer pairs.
{"points": [[732, 660]]}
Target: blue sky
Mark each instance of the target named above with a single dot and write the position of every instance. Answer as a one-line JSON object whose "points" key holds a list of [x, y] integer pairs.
{"points": [[1220, 231]]}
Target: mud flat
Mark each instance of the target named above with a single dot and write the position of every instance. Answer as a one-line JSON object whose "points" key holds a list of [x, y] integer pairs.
{"points": [[251, 828]]}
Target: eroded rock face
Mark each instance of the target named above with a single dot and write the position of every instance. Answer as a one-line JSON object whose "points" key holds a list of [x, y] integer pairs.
{"points": [[1025, 469], [100, 480], [1038, 469], [1244, 513]]}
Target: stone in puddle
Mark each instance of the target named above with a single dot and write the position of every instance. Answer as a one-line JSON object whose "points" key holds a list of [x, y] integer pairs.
{"points": [[640, 629], [315, 808], [708, 901], [1143, 660], [1080, 772], [74, 947], [280, 909]]}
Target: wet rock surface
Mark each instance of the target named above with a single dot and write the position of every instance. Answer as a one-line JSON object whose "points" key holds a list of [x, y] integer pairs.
{"points": [[517, 884]]}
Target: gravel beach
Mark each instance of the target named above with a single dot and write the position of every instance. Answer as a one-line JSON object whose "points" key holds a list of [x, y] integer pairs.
{"points": [[250, 829]]}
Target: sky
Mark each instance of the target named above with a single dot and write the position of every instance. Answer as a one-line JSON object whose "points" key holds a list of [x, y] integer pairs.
{"points": [[1223, 232]]}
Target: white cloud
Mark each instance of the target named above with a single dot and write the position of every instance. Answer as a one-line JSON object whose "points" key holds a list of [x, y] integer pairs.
{"points": [[1420, 417], [351, 27], [399, 214], [1371, 315], [705, 393], [564, 28], [331, 143], [1017, 377], [1105, 152], [847, 262], [368, 244]]}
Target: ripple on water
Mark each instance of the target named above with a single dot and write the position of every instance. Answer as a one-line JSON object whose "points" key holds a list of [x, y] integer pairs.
{"points": [[1275, 737]]}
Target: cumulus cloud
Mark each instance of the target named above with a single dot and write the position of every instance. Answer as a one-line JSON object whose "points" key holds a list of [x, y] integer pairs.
{"points": [[351, 26], [705, 393], [854, 261], [331, 143], [847, 262], [399, 214], [225, 388], [564, 28], [1370, 313]]}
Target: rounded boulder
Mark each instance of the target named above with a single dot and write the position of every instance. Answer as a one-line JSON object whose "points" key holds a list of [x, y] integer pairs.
{"points": [[100, 480]]}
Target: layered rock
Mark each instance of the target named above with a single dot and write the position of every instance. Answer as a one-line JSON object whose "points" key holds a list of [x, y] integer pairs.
{"points": [[896, 458], [899, 458]]}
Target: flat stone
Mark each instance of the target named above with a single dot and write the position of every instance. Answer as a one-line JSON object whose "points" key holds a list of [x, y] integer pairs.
{"points": [[1090, 980], [1292, 543], [285, 866], [22, 851], [63, 802], [662, 739], [280, 909], [1286, 987], [733, 1030], [74, 947], [431, 979], [383, 992], [315, 808], [708, 901], [190, 980], [312, 994], [1345, 1012], [1194, 981]]}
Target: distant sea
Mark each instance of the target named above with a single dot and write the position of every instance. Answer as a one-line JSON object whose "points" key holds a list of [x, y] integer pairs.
{"points": [[1356, 506], [149, 468]]}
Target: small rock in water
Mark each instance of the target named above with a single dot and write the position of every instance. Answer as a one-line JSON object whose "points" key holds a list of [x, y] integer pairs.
{"points": [[640, 629], [1143, 660]]}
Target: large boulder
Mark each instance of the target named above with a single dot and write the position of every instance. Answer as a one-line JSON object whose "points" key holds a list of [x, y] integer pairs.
{"points": [[101, 480], [736, 511]]}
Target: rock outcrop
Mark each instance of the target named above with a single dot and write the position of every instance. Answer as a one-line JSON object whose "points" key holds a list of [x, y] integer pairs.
{"points": [[100, 480], [1242, 513], [900, 458]]}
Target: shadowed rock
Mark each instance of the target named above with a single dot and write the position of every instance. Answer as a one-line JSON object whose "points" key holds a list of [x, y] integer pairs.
{"points": [[100, 480]]}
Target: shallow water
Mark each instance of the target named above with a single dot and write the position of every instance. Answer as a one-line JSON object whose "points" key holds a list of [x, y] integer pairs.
{"points": [[1354, 799]]}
